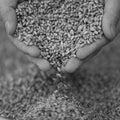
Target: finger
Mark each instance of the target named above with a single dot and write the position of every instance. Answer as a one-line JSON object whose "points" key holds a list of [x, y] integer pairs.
{"points": [[84, 54], [72, 65], [8, 3], [9, 18], [41, 63], [75, 63], [29, 50], [87, 50], [111, 18]]}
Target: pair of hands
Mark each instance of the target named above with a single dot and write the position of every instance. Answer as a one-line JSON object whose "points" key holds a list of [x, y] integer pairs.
{"points": [[110, 26]]}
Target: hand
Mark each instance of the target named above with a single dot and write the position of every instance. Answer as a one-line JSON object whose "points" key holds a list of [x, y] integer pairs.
{"points": [[111, 27], [8, 15]]}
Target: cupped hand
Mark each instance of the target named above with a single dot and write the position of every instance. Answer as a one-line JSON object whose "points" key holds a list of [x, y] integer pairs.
{"points": [[110, 26], [8, 15]]}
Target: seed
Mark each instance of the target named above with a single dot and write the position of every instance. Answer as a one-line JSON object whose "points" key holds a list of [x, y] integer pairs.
{"points": [[52, 25]]}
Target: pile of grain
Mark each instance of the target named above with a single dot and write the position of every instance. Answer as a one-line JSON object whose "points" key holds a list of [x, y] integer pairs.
{"points": [[56, 107], [28, 96], [59, 27]]}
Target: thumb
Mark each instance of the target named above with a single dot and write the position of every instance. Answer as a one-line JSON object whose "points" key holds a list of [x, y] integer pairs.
{"points": [[9, 18], [111, 18]]}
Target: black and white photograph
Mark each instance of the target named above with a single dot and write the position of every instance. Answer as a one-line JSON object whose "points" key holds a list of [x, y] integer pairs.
{"points": [[59, 59]]}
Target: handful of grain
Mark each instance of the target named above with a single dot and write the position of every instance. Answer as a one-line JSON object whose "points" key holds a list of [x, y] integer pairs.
{"points": [[59, 27]]}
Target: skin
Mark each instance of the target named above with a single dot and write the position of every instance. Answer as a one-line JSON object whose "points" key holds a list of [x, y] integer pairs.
{"points": [[110, 25]]}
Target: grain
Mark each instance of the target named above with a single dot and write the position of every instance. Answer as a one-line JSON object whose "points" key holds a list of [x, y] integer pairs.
{"points": [[56, 107], [27, 95], [59, 27]]}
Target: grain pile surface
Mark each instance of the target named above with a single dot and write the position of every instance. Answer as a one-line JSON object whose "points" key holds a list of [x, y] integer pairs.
{"points": [[29, 96], [59, 27]]}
